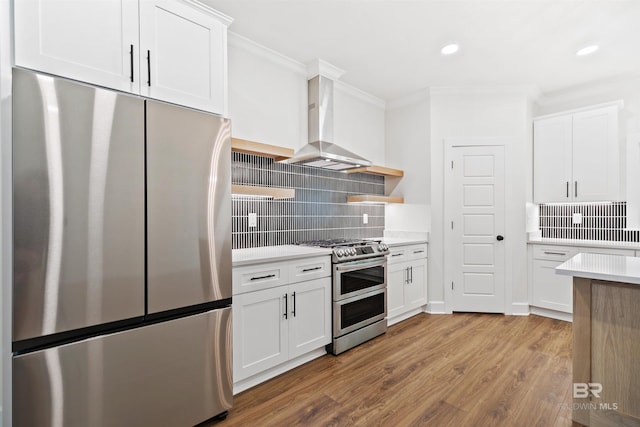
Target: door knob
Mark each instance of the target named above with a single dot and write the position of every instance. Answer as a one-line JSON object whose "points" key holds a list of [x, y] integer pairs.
{"points": [[499, 238]]}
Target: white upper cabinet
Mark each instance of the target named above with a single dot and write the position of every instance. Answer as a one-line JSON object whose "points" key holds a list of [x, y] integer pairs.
{"points": [[576, 157], [183, 50], [171, 50], [89, 41]]}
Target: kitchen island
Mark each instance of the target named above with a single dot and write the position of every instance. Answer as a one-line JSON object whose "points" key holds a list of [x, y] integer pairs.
{"points": [[606, 339]]}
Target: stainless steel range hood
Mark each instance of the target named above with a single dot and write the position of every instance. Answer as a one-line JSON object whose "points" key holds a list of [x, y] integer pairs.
{"points": [[321, 152]]}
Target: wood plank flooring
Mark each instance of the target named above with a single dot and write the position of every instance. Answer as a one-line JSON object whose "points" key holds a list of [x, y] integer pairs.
{"points": [[430, 370]]}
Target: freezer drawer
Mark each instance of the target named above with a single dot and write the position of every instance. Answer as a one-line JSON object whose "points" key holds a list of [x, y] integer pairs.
{"points": [[188, 207], [78, 205], [175, 373]]}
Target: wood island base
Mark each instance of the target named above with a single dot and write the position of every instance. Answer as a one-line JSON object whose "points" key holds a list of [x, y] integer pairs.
{"points": [[606, 353]]}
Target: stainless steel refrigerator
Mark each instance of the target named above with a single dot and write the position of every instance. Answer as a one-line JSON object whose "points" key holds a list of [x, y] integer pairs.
{"points": [[122, 258]]}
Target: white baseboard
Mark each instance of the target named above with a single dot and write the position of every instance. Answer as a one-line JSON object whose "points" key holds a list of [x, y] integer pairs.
{"points": [[404, 316], [520, 309], [436, 307], [559, 315], [261, 377]]}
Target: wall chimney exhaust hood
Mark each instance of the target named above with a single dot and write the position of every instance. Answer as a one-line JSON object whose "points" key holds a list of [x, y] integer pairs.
{"points": [[321, 152]]}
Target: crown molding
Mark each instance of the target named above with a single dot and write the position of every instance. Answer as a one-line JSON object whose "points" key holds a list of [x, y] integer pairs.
{"points": [[410, 99], [359, 94], [532, 92], [614, 87], [227, 20], [323, 68], [241, 42]]}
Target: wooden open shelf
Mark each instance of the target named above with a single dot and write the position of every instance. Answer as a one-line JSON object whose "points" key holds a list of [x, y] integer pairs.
{"points": [[378, 170], [260, 149], [370, 198], [257, 191]]}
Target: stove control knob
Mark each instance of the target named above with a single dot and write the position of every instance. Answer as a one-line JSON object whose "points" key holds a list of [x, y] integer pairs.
{"points": [[352, 251], [340, 252]]}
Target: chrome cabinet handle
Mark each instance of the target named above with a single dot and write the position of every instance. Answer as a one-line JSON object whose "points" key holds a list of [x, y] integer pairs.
{"points": [[411, 272], [418, 252], [286, 306], [567, 189], [311, 269], [554, 253], [395, 255], [268, 276], [575, 193], [293, 296]]}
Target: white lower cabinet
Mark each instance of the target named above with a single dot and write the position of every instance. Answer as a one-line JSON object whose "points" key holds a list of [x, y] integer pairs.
{"points": [[551, 294], [274, 329], [406, 281]]}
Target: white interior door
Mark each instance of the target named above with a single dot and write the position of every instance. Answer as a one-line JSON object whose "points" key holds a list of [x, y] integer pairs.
{"points": [[475, 206]]}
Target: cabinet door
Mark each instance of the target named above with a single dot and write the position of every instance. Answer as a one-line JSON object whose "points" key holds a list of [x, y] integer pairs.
{"points": [[260, 331], [309, 316], [552, 175], [596, 163], [183, 55], [550, 290], [90, 41], [416, 290], [397, 276]]}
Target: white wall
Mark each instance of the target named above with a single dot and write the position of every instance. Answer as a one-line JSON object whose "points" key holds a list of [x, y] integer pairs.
{"points": [[267, 95], [359, 122], [5, 212], [503, 113], [268, 103], [407, 136]]}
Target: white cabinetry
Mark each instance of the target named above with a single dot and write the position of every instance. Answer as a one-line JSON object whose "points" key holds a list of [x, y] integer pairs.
{"points": [[172, 50], [406, 281], [281, 317], [576, 157], [551, 294]]}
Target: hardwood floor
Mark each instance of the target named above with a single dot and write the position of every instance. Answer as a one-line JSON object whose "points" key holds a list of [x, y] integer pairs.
{"points": [[431, 370]]}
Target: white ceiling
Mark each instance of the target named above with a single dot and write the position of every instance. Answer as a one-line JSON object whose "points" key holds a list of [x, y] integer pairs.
{"points": [[392, 48]]}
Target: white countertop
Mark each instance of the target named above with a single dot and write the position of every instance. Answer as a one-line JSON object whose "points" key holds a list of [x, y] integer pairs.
{"points": [[401, 240], [585, 243], [614, 268], [275, 253]]}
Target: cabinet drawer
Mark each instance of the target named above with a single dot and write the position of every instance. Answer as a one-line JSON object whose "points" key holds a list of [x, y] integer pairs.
{"points": [[554, 253], [261, 276], [417, 251], [310, 268], [397, 254]]}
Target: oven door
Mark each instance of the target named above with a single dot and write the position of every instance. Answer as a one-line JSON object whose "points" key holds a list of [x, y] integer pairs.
{"points": [[359, 277], [354, 313]]}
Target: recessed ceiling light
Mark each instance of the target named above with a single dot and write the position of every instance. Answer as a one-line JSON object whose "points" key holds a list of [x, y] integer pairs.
{"points": [[587, 50], [450, 49]]}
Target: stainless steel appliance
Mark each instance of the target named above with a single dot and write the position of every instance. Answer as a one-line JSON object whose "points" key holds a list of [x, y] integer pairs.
{"points": [[122, 258], [321, 152], [359, 291]]}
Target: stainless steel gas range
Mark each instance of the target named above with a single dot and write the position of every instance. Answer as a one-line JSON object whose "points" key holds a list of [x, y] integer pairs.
{"points": [[359, 291]]}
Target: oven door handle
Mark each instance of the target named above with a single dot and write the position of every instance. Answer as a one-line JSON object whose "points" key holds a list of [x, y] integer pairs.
{"points": [[359, 265]]}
